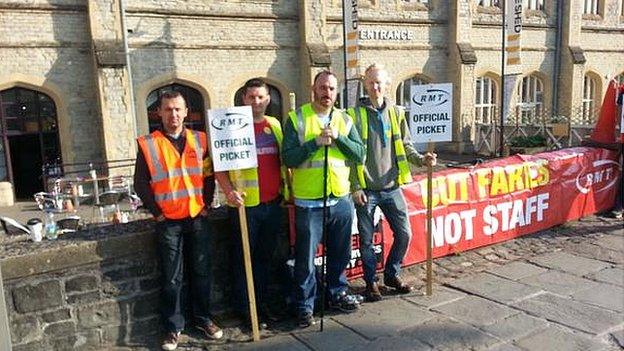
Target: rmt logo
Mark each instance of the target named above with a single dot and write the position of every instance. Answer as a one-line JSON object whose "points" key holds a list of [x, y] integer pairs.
{"points": [[601, 177]]}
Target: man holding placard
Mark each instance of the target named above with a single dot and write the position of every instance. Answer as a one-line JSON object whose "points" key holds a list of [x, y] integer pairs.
{"points": [[376, 182], [173, 178], [319, 142], [260, 190]]}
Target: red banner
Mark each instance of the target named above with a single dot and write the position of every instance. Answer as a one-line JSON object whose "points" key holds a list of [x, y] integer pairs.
{"points": [[507, 198], [497, 201]]}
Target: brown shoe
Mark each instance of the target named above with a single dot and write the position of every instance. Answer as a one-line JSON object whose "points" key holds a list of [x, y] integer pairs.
{"points": [[372, 292], [170, 342], [398, 284], [211, 330]]}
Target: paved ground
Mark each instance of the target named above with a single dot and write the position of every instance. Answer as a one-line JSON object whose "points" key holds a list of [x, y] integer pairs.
{"points": [[560, 289]]}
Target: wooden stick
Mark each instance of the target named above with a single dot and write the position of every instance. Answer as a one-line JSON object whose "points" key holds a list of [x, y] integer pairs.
{"points": [[429, 222], [242, 216]]}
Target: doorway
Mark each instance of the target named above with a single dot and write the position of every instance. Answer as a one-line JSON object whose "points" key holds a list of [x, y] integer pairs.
{"points": [[29, 139]]}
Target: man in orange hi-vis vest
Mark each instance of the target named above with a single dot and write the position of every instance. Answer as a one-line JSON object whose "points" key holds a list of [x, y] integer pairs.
{"points": [[173, 178]]}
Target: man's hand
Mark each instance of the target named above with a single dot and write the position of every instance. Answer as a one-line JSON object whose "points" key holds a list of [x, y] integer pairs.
{"points": [[160, 218], [323, 140], [234, 198], [359, 197], [330, 132], [430, 159]]}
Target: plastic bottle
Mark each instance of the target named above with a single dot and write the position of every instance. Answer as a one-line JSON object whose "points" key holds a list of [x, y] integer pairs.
{"points": [[49, 228]]}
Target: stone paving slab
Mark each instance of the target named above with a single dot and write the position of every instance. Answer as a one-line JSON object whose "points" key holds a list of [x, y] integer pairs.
{"points": [[554, 338], [559, 282], [505, 347], [614, 275], [440, 295], [446, 334], [283, 342], [569, 263], [494, 288], [384, 318], [391, 343], [517, 270], [334, 336], [612, 241], [476, 311], [514, 327], [604, 295], [591, 250], [618, 337], [571, 313]]}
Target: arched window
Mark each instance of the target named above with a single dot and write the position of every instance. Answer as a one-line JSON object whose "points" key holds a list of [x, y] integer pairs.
{"points": [[485, 100], [530, 97], [196, 118], [403, 90], [30, 139], [275, 108], [589, 99]]}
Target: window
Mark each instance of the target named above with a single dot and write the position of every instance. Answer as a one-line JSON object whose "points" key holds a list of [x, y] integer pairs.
{"points": [[485, 100], [534, 4], [529, 103], [194, 100], [488, 3], [403, 90], [589, 99], [591, 7]]}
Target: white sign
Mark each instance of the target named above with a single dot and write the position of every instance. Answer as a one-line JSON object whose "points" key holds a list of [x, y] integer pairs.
{"points": [[513, 31], [390, 34], [350, 23], [232, 140], [431, 112]]}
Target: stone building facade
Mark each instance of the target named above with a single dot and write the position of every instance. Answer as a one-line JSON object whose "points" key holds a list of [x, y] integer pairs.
{"points": [[77, 77]]}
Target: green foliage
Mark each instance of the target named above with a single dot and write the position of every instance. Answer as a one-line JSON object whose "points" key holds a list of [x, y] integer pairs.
{"points": [[530, 141]]}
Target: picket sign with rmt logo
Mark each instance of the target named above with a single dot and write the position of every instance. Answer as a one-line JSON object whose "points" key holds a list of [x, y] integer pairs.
{"points": [[232, 140], [431, 112], [233, 147], [431, 120]]}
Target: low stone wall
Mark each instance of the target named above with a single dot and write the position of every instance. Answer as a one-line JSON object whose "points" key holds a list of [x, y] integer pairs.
{"points": [[95, 288]]}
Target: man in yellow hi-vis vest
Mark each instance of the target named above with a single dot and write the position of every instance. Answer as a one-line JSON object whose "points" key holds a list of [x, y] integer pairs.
{"points": [[313, 132], [260, 190], [377, 181]]}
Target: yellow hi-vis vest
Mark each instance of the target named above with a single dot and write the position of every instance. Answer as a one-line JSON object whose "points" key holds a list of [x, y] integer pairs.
{"points": [[361, 122], [308, 176], [246, 180]]}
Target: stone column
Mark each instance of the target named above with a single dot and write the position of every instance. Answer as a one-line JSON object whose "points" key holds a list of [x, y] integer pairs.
{"points": [[112, 80], [314, 54], [572, 61], [461, 63]]}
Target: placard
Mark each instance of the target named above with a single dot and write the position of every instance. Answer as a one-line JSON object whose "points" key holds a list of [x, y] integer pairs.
{"points": [[431, 112], [232, 140]]}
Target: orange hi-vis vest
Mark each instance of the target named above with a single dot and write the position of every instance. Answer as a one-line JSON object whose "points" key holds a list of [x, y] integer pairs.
{"points": [[177, 180]]}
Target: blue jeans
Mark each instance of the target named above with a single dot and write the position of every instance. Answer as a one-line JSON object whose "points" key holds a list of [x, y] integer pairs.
{"points": [[392, 204], [309, 225], [176, 238], [264, 226]]}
